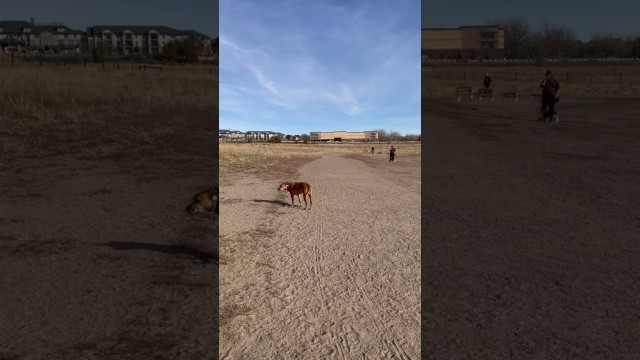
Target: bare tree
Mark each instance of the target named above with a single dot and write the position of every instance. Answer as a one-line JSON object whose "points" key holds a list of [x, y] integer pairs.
{"points": [[517, 36], [556, 39], [394, 135], [382, 135]]}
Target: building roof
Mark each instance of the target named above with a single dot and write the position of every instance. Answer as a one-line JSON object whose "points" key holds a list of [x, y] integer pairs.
{"points": [[141, 29], [352, 132], [265, 132], [18, 26]]}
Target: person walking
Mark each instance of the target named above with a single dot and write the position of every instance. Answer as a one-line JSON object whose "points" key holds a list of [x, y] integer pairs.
{"points": [[550, 96], [487, 81], [392, 154]]}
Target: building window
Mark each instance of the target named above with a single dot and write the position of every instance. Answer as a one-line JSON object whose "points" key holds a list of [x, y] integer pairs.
{"points": [[487, 35]]}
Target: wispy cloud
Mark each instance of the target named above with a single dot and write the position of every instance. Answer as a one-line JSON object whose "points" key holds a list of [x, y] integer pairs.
{"points": [[295, 66]]}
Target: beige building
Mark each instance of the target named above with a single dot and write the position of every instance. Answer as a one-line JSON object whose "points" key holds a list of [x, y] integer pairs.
{"points": [[343, 136], [28, 35], [465, 42], [135, 39]]}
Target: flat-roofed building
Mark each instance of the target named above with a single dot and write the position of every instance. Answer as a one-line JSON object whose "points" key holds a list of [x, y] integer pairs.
{"points": [[464, 43], [343, 136]]}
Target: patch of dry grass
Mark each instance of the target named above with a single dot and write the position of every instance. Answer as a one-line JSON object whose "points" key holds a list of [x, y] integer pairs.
{"points": [[286, 157], [575, 79], [55, 109]]}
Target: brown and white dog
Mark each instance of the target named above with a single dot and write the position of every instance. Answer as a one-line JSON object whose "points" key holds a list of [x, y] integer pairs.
{"points": [[297, 188], [205, 202]]}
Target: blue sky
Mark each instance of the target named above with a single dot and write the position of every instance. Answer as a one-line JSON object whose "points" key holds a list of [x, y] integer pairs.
{"points": [[297, 66], [585, 17], [199, 15]]}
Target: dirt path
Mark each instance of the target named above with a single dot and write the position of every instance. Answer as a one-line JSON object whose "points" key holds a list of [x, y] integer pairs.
{"points": [[339, 281], [531, 237]]}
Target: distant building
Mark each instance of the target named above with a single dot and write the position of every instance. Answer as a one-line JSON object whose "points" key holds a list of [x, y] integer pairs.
{"points": [[262, 135], [464, 43], [136, 39], [231, 135], [28, 35], [343, 136]]}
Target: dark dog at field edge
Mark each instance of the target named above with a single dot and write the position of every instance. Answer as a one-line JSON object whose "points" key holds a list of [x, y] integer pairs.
{"points": [[206, 201], [297, 188]]}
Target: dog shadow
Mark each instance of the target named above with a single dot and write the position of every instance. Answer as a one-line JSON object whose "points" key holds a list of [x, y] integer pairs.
{"points": [[275, 202], [173, 250]]}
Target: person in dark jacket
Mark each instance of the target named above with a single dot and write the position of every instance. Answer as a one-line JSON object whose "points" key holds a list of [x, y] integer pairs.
{"points": [[550, 96], [392, 153], [487, 81]]}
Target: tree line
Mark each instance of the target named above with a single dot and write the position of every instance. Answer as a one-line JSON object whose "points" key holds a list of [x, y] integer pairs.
{"points": [[393, 136], [522, 41]]}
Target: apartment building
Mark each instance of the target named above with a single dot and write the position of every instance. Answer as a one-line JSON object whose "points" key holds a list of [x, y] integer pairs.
{"points": [[135, 39], [262, 135], [28, 35], [231, 135], [464, 43]]}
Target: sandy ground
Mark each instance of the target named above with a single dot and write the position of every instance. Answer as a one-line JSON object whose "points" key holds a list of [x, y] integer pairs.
{"points": [[532, 230], [339, 281], [99, 259]]}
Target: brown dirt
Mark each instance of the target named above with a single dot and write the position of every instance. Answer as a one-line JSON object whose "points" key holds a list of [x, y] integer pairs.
{"points": [[338, 281], [531, 230], [98, 257]]}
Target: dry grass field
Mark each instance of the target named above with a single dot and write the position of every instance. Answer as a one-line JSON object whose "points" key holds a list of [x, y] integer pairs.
{"points": [[286, 157], [73, 108], [98, 257], [601, 80]]}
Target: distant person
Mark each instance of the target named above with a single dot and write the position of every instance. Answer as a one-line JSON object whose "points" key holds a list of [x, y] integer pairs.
{"points": [[392, 153], [550, 96], [487, 81], [373, 150]]}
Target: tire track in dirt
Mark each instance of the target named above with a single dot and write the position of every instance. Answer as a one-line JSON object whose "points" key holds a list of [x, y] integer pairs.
{"points": [[372, 309], [340, 343]]}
